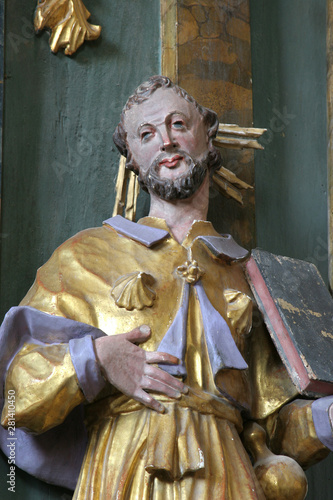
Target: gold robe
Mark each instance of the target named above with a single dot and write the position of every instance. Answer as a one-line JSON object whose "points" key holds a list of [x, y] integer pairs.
{"points": [[193, 450]]}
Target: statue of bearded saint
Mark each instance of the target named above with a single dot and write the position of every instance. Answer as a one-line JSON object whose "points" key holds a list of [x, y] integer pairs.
{"points": [[145, 330]]}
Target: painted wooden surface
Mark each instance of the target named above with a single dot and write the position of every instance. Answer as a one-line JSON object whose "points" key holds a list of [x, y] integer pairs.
{"points": [[329, 54], [2, 4], [59, 159], [289, 91], [289, 82], [214, 60], [297, 309], [210, 56]]}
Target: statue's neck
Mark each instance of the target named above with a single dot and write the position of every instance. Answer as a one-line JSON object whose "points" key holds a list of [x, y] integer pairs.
{"points": [[180, 214]]}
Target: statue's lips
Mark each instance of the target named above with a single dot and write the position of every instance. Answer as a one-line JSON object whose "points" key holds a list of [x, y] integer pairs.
{"points": [[170, 162]]}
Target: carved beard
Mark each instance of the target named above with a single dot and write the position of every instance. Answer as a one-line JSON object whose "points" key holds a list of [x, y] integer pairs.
{"points": [[175, 189]]}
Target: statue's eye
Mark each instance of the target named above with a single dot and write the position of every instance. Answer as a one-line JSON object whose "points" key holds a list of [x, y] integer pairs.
{"points": [[146, 135], [178, 124]]}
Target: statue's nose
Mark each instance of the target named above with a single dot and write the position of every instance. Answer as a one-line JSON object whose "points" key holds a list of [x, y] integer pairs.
{"points": [[167, 141]]}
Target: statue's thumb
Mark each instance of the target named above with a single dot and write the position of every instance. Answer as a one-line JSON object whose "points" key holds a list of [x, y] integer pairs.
{"points": [[138, 334]]}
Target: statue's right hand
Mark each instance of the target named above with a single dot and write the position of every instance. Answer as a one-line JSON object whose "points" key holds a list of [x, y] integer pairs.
{"points": [[131, 369]]}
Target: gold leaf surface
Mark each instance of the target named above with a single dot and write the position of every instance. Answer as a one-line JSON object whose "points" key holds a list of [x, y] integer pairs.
{"points": [[67, 21]]}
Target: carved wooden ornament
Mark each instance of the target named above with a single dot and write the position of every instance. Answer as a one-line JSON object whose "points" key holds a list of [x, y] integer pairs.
{"points": [[67, 22]]}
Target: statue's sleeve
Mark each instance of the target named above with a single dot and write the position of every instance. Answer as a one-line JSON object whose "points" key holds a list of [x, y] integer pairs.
{"points": [[299, 433], [56, 369], [45, 385]]}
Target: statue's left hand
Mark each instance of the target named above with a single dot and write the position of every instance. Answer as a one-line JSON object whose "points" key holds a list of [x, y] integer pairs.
{"points": [[131, 369]]}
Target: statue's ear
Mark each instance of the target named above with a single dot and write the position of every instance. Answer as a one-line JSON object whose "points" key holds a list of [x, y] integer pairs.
{"points": [[131, 164], [119, 138], [212, 124]]}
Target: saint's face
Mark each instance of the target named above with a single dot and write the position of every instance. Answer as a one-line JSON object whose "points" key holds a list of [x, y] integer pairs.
{"points": [[162, 127]]}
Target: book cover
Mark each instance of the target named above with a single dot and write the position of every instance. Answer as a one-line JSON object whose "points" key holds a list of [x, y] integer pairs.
{"points": [[298, 312]]}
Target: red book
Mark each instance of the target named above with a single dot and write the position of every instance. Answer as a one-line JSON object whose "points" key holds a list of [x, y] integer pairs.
{"points": [[298, 312]]}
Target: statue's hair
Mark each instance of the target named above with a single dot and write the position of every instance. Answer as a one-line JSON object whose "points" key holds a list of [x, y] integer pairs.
{"points": [[141, 94]]}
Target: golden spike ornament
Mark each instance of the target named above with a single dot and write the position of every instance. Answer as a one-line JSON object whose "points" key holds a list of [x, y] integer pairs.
{"points": [[127, 192], [233, 136]]}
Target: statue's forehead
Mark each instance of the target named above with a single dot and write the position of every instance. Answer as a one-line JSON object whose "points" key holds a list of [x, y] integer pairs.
{"points": [[157, 108]]}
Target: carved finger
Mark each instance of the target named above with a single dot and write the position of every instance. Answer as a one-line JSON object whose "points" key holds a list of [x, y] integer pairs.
{"points": [[161, 357], [146, 399], [164, 377], [157, 386], [138, 334]]}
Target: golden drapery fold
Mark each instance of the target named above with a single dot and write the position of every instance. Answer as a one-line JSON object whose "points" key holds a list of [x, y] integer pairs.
{"points": [[177, 455]]}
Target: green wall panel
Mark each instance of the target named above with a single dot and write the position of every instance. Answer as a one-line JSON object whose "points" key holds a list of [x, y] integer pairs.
{"points": [[59, 159], [289, 92], [289, 86]]}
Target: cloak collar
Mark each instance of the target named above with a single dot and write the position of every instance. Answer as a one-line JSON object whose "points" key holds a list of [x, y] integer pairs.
{"points": [[151, 230]]}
